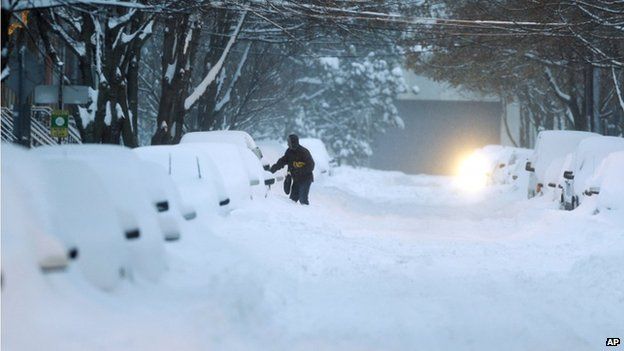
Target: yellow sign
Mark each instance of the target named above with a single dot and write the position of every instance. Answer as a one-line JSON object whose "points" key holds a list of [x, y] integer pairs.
{"points": [[59, 124]]}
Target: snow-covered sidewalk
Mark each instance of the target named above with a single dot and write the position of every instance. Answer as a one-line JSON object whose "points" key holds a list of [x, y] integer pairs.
{"points": [[379, 261]]}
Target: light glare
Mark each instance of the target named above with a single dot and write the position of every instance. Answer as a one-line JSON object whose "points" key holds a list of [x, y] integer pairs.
{"points": [[472, 173]]}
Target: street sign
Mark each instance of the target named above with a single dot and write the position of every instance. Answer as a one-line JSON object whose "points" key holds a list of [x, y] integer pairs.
{"points": [[76, 94], [46, 94], [59, 124], [72, 94]]}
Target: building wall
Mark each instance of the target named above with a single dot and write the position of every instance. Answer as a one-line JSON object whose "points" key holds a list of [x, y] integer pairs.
{"points": [[442, 124], [436, 134]]}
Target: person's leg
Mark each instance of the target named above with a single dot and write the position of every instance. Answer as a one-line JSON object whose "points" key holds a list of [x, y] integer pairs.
{"points": [[294, 191], [304, 191]]}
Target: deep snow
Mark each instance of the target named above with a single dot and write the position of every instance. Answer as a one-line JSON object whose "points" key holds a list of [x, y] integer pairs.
{"points": [[379, 261]]}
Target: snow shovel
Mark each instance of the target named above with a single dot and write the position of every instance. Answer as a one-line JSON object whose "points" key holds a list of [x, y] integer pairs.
{"points": [[287, 184]]}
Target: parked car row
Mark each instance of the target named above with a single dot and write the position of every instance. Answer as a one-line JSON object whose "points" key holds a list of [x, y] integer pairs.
{"points": [[110, 210], [570, 166], [567, 166], [503, 162]]}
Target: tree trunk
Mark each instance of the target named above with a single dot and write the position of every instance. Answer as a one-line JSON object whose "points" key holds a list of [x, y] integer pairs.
{"points": [[180, 43]]}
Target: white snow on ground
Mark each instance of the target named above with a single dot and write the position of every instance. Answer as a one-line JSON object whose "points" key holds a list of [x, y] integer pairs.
{"points": [[379, 261]]}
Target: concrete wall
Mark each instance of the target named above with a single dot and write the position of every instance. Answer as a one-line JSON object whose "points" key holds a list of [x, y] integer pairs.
{"points": [[436, 134], [441, 124]]}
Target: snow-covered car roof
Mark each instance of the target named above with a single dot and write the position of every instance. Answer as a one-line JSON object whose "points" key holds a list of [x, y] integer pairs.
{"points": [[553, 144], [590, 154], [237, 137]]}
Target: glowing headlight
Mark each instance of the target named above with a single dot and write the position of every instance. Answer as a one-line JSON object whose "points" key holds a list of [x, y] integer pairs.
{"points": [[472, 172]]}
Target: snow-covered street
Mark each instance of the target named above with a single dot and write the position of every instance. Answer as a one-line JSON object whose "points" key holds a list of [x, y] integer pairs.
{"points": [[379, 261]]}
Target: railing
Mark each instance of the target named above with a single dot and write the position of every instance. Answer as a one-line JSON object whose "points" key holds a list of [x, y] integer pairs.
{"points": [[40, 134], [39, 127], [6, 127], [42, 114]]}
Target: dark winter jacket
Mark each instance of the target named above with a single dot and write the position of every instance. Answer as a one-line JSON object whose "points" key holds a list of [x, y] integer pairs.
{"points": [[299, 161]]}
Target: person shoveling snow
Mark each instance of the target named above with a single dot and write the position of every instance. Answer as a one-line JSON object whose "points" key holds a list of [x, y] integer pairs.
{"points": [[300, 167]]}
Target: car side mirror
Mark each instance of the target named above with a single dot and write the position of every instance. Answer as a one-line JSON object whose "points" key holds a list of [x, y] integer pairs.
{"points": [[569, 175], [269, 181], [529, 167], [501, 165], [190, 215], [162, 206], [133, 234], [257, 152], [594, 190], [552, 185]]}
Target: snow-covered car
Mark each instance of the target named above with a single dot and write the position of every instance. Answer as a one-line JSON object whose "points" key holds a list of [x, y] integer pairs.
{"points": [[171, 210], [82, 215], [249, 154], [551, 178], [238, 169], [272, 151], [199, 183], [501, 162], [121, 178], [550, 145], [509, 161], [607, 183], [63, 204], [319, 154], [176, 205], [22, 220], [581, 165], [236, 137]]}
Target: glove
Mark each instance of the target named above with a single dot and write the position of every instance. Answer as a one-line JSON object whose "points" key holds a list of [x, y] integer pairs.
{"points": [[273, 168]]}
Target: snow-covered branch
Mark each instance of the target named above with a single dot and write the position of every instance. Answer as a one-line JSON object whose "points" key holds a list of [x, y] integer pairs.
{"points": [[212, 74]]}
